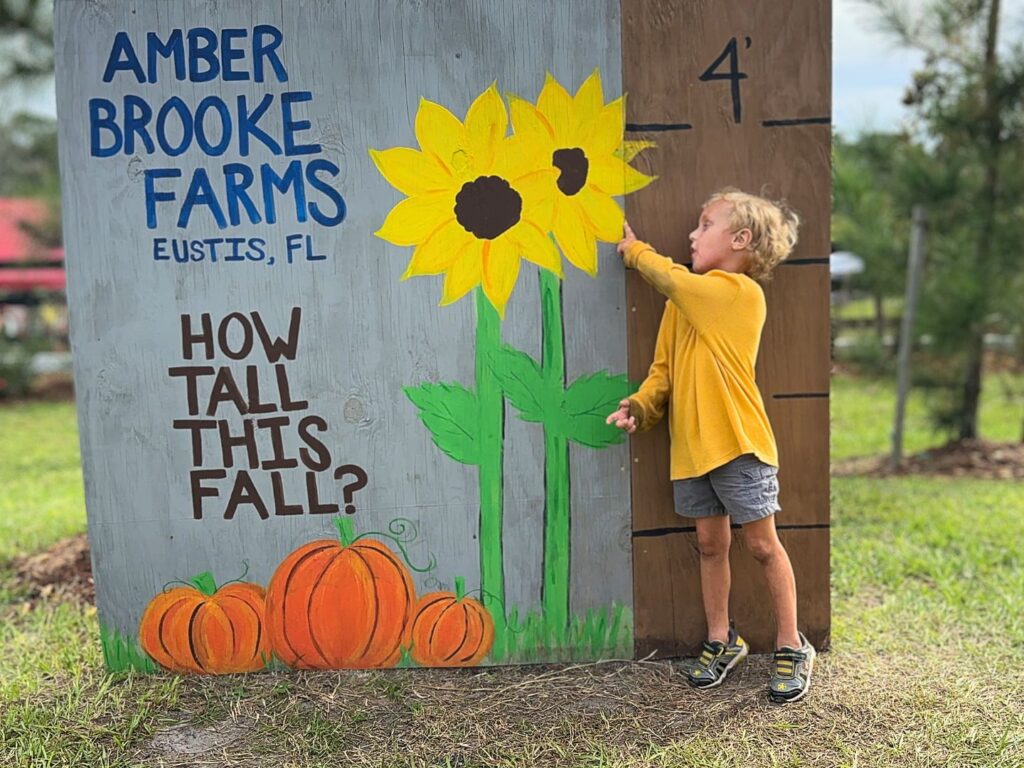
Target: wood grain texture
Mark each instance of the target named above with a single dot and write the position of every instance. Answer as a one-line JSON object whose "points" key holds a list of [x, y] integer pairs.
{"points": [[668, 604], [773, 140], [365, 335]]}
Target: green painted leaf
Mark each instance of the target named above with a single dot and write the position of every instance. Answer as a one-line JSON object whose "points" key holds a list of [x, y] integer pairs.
{"points": [[524, 386], [451, 414], [587, 403]]}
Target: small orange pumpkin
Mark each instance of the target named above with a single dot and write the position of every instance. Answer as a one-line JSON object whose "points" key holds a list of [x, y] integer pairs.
{"points": [[450, 630], [206, 630], [338, 605]]}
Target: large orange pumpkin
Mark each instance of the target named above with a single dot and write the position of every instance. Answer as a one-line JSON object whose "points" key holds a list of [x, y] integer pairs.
{"points": [[339, 604], [450, 630], [203, 629]]}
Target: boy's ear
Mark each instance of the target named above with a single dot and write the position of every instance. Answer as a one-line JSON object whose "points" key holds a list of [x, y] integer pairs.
{"points": [[742, 238]]}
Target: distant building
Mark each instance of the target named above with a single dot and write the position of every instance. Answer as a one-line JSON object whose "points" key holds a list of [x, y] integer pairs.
{"points": [[27, 266]]}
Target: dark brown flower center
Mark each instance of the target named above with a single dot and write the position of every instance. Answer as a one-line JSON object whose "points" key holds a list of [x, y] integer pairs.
{"points": [[488, 206], [573, 165]]}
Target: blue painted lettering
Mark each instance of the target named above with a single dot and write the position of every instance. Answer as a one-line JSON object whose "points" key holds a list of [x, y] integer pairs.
{"points": [[174, 49], [200, 192], [152, 196], [123, 59], [102, 114]]}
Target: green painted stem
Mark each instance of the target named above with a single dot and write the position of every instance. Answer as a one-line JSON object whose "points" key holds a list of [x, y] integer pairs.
{"points": [[491, 401], [556, 460], [346, 530], [204, 583], [460, 587]]}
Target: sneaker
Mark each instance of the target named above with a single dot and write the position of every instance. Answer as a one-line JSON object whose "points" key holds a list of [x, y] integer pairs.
{"points": [[717, 659], [792, 677]]}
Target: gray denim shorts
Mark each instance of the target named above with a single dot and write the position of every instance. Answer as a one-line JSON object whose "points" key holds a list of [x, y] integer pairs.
{"points": [[746, 489]]}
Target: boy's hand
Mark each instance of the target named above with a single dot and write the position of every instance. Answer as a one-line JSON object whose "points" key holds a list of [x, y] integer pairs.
{"points": [[622, 419], [628, 239]]}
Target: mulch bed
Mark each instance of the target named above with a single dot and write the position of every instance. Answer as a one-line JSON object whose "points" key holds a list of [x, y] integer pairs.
{"points": [[960, 458], [62, 570]]}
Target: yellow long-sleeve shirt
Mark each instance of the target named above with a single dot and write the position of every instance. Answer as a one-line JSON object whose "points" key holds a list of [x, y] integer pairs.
{"points": [[703, 369]]}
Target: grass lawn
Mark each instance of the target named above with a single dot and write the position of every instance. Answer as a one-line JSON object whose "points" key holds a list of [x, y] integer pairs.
{"points": [[927, 666]]}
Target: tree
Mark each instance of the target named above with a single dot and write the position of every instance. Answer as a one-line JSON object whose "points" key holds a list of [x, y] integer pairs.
{"points": [[26, 40], [869, 216], [967, 104]]}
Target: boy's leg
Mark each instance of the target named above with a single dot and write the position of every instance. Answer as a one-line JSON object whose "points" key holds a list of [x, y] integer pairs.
{"points": [[713, 539], [724, 649], [763, 541]]}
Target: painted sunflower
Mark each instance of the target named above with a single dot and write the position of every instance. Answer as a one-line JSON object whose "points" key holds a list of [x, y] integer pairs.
{"points": [[582, 139], [477, 200]]}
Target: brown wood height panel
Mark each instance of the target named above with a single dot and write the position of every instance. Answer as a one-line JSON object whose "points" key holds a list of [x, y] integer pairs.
{"points": [[734, 94]]}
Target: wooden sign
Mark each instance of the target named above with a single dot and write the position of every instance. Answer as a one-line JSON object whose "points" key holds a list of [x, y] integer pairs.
{"points": [[735, 94], [347, 321]]}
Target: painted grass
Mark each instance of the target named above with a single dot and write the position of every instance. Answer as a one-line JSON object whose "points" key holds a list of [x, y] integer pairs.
{"points": [[599, 634]]}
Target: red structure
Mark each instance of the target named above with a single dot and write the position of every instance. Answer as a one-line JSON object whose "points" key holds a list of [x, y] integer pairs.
{"points": [[25, 263]]}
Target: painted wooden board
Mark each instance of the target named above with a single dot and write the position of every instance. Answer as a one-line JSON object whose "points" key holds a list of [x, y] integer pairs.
{"points": [[292, 455], [735, 94], [670, 611]]}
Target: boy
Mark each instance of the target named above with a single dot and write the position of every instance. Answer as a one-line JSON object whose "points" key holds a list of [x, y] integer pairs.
{"points": [[723, 457]]}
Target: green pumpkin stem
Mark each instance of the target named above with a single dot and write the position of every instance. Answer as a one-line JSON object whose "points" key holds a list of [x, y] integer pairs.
{"points": [[204, 583], [460, 587], [346, 530]]}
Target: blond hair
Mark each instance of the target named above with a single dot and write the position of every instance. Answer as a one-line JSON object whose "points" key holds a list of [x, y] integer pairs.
{"points": [[772, 224]]}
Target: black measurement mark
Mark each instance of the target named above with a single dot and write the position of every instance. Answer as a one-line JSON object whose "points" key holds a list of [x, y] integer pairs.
{"points": [[800, 395], [797, 121], [654, 532], [655, 127], [733, 74], [798, 262]]}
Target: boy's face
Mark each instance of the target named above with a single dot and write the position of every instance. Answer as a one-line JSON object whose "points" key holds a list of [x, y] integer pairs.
{"points": [[712, 241]]}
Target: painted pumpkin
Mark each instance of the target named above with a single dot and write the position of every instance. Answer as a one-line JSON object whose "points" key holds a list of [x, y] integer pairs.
{"points": [[340, 604], [450, 630], [206, 630]]}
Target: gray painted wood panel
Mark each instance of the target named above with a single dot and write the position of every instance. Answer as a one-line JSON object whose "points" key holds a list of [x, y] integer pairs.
{"points": [[363, 336]]}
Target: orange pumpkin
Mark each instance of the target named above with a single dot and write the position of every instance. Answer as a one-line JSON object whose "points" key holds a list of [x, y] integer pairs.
{"points": [[339, 604], [206, 630], [450, 630]]}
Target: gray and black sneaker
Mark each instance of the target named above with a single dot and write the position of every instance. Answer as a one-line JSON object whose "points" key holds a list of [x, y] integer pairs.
{"points": [[717, 659], [792, 676]]}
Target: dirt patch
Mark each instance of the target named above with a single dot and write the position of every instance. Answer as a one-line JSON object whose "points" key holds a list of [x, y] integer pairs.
{"points": [[959, 458], [62, 570]]}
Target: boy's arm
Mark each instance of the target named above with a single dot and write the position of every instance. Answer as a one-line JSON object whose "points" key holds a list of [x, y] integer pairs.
{"points": [[648, 404], [701, 298]]}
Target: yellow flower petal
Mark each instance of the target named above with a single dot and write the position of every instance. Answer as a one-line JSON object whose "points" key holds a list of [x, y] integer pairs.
{"points": [[605, 134], [631, 149], [575, 240], [520, 156], [539, 192], [535, 245], [614, 177], [589, 99], [486, 126], [555, 104], [500, 271], [410, 171], [413, 219], [528, 122], [603, 216], [439, 251], [440, 133], [464, 274]]}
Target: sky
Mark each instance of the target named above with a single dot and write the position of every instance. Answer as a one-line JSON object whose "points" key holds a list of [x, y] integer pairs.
{"points": [[869, 72]]}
